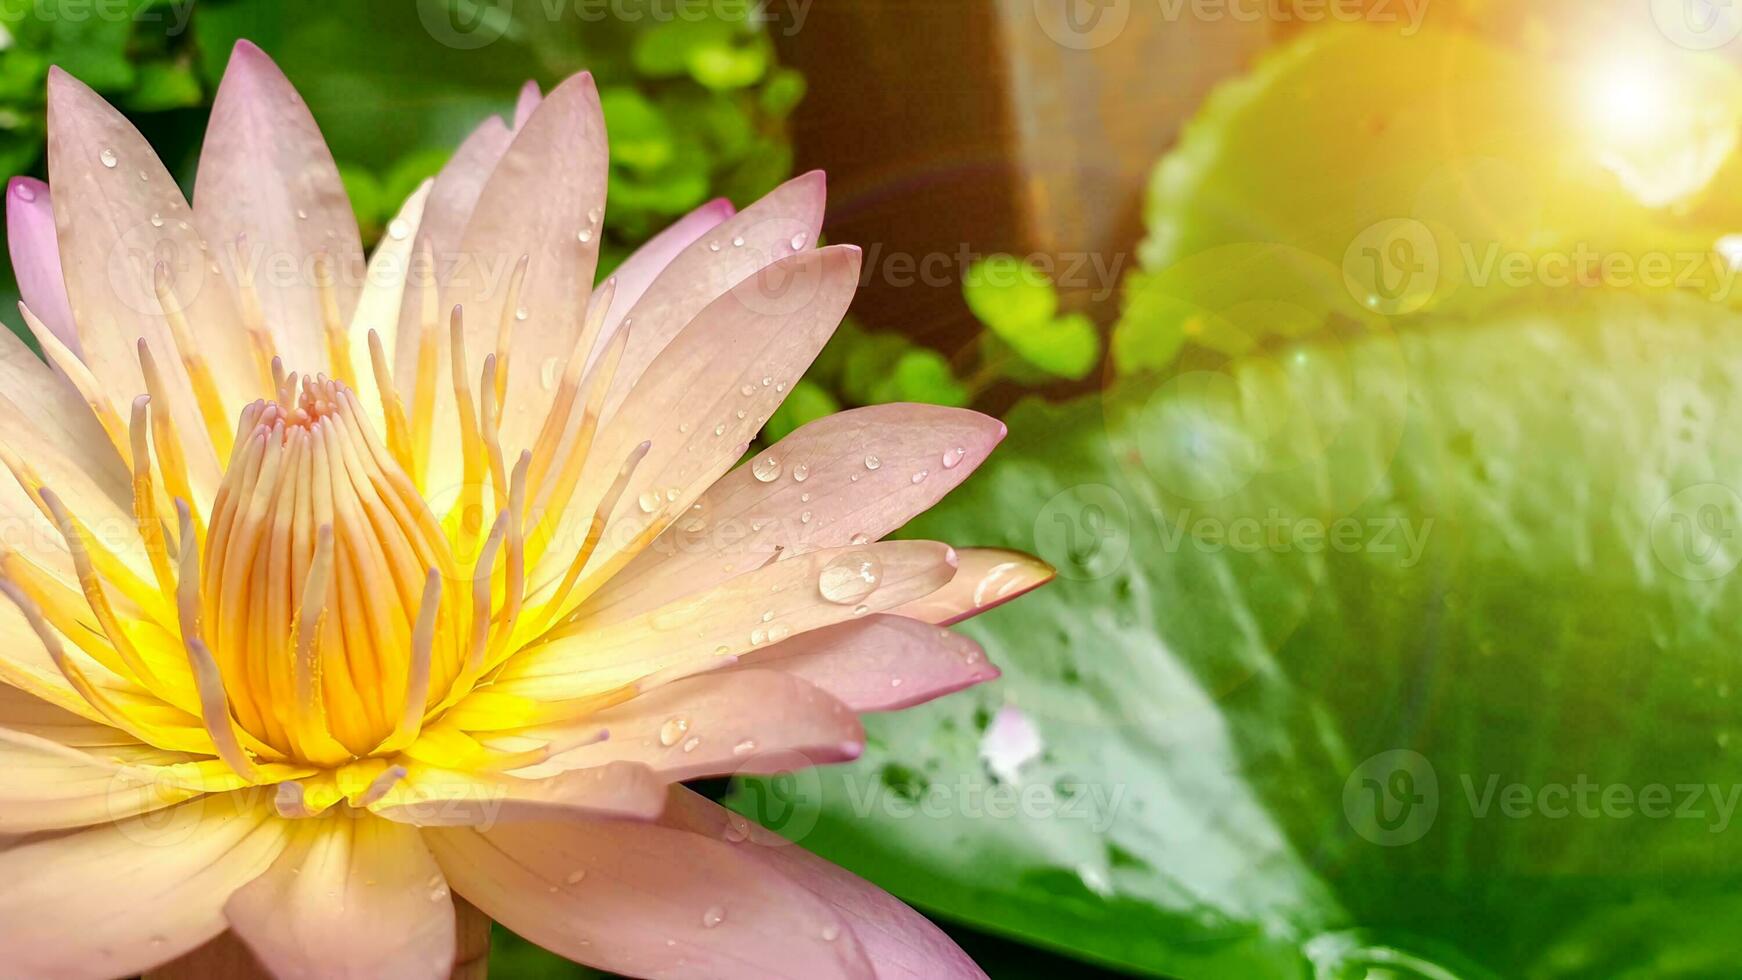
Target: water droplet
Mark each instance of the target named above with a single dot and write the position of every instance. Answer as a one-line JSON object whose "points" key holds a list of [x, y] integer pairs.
{"points": [[758, 636], [397, 229], [157, 221], [738, 241], [520, 313], [713, 917], [804, 498], [747, 390], [766, 381], [953, 456], [108, 157], [860, 538], [722, 650], [576, 875], [921, 475], [798, 241], [831, 932], [25, 192], [767, 615], [649, 500], [744, 748], [850, 577], [301, 214], [800, 472], [713, 246], [766, 469], [861, 610], [690, 745], [674, 728], [594, 214], [872, 462], [778, 632], [894, 682], [804, 518], [584, 236], [683, 427], [547, 374], [740, 413], [720, 429]]}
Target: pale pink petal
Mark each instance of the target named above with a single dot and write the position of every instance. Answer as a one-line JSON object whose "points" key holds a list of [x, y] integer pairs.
{"points": [[784, 221], [881, 663], [715, 725], [350, 897], [526, 102], [644, 265], [117, 900], [762, 606], [859, 474], [707, 394], [899, 941], [988, 577], [648, 901], [36, 256], [50, 786], [120, 215], [265, 173], [449, 206], [441, 798], [32, 715], [545, 200]]}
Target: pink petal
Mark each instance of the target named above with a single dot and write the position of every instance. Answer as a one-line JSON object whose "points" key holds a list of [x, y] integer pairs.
{"points": [[350, 897], [881, 663], [987, 578], [708, 393], [716, 725], [119, 899], [901, 942], [109, 248], [757, 608], [745, 518], [545, 200], [650, 901], [440, 798], [785, 221], [641, 268], [265, 173], [36, 256], [446, 211], [50, 786], [31, 715], [526, 102]]}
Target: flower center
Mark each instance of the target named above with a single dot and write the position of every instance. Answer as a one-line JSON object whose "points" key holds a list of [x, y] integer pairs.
{"points": [[316, 561]]}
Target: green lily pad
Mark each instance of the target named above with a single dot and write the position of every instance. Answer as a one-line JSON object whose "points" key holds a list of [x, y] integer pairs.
{"points": [[1411, 652]]}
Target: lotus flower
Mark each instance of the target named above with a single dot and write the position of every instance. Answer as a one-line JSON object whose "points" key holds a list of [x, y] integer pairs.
{"points": [[340, 590]]}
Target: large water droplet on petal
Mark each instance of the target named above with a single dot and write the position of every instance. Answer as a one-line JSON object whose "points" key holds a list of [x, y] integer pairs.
{"points": [[766, 469], [872, 462], [953, 457], [108, 157], [713, 916], [850, 577], [674, 728]]}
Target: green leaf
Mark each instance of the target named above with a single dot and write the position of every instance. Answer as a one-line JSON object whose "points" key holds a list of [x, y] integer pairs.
{"points": [[666, 49], [1068, 346], [641, 139], [869, 359], [165, 85], [1006, 294], [1464, 556], [922, 375], [411, 170], [729, 65], [807, 402]]}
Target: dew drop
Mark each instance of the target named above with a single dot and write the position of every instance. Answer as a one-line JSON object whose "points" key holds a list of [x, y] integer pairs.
{"points": [[778, 632], [649, 500], [713, 917], [108, 157], [520, 313], [804, 518], [767, 615], [576, 875], [301, 214], [25, 192], [744, 748], [953, 457], [738, 241], [691, 743], [594, 214], [861, 610], [157, 221], [850, 577], [797, 241], [766, 469], [860, 538], [722, 650], [895, 682], [831, 932], [673, 729], [584, 236], [921, 475], [872, 462], [800, 472], [713, 246], [397, 229], [740, 413], [747, 390], [804, 498], [720, 429]]}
